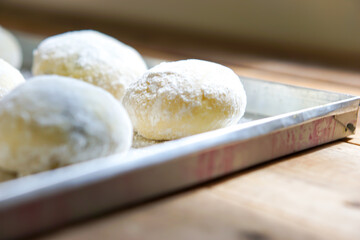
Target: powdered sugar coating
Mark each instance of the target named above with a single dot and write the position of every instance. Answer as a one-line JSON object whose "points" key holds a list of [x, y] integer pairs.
{"points": [[52, 121], [178, 99], [91, 56], [10, 77], [141, 142]]}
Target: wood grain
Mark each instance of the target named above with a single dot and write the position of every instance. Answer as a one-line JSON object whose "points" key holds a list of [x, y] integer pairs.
{"points": [[304, 196], [310, 195]]}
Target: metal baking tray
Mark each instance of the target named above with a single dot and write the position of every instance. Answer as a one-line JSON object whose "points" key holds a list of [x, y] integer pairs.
{"points": [[279, 120]]}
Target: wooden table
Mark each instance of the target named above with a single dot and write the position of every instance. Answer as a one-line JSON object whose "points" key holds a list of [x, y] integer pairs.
{"points": [[314, 194]]}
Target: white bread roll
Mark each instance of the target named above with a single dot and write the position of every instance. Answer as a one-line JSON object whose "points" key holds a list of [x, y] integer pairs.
{"points": [[10, 77], [178, 99], [10, 49], [52, 121], [92, 57]]}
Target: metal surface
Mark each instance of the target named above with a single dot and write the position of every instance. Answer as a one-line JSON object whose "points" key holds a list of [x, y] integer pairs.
{"points": [[279, 120]]}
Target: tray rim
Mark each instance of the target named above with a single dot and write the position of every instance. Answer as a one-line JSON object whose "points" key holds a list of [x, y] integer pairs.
{"points": [[216, 138]]}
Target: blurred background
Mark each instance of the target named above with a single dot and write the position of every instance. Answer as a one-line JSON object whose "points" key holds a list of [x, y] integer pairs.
{"points": [[321, 31]]}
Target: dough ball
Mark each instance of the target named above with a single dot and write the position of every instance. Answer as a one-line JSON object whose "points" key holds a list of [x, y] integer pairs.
{"points": [[10, 77], [90, 56], [141, 142], [178, 99], [10, 49], [52, 121]]}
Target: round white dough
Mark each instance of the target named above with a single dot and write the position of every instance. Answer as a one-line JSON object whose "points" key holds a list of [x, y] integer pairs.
{"points": [[90, 56], [178, 99], [141, 142], [10, 77], [10, 49], [52, 121]]}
